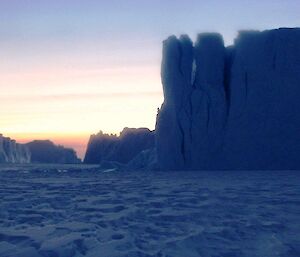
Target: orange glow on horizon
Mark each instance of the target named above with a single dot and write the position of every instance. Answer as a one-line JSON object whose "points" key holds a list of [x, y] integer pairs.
{"points": [[76, 141], [67, 105]]}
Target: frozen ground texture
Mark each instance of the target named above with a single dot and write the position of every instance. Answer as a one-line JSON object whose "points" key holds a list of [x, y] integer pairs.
{"points": [[234, 108], [68, 211]]}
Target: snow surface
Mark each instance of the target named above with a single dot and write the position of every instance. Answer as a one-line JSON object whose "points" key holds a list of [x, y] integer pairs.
{"points": [[82, 211]]}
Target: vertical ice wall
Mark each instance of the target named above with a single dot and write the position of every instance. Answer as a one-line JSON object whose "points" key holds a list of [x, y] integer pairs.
{"points": [[231, 108], [12, 152]]}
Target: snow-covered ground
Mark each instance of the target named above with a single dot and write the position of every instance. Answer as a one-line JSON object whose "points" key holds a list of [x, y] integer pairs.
{"points": [[81, 211]]}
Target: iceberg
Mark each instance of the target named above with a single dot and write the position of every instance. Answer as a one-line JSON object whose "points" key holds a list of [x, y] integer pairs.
{"points": [[233, 107]]}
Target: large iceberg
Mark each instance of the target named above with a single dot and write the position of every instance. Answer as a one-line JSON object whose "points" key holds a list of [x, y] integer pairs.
{"points": [[233, 107]]}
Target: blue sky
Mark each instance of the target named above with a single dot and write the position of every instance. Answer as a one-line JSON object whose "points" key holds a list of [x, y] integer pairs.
{"points": [[78, 66]]}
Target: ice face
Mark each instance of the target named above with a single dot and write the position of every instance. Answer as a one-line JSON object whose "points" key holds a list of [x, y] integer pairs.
{"points": [[175, 113], [103, 147], [231, 108], [12, 152]]}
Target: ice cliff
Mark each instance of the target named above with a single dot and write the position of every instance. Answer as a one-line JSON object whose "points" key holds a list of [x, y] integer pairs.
{"points": [[122, 149], [12, 152], [45, 151], [234, 107]]}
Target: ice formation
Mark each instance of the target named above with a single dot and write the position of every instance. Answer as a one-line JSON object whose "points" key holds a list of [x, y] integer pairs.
{"points": [[231, 107], [45, 151], [122, 149], [12, 152]]}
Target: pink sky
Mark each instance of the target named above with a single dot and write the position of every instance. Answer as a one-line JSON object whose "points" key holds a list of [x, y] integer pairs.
{"points": [[71, 68]]}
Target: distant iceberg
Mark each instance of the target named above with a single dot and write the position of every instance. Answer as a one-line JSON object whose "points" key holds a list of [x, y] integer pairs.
{"points": [[112, 150], [13, 152], [45, 151]]}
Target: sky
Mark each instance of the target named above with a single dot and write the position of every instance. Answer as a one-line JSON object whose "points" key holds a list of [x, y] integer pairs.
{"points": [[69, 68]]}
